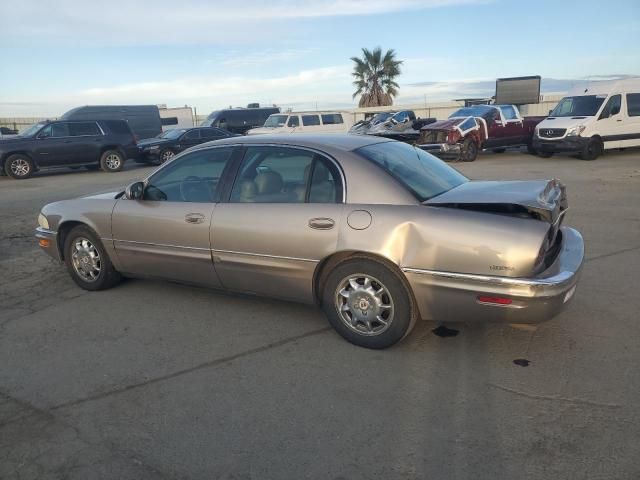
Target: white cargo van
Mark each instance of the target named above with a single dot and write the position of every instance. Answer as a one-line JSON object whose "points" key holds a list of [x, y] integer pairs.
{"points": [[593, 118], [305, 122]]}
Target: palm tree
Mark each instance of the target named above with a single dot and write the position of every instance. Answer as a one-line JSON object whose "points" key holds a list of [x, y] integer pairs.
{"points": [[375, 77]]}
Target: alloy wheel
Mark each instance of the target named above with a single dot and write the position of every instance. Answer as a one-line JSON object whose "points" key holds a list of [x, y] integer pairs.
{"points": [[86, 259], [20, 167], [364, 304], [112, 161], [166, 156]]}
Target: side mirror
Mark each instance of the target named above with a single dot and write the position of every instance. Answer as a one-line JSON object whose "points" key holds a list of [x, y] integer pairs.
{"points": [[134, 191]]}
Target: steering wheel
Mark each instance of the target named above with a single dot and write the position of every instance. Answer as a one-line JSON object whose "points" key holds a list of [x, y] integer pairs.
{"points": [[191, 185]]}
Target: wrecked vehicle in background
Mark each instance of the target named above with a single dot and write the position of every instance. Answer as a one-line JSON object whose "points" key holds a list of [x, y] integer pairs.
{"points": [[363, 126], [402, 125], [479, 127]]}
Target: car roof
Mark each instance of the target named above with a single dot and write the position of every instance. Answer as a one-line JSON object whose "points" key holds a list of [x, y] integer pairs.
{"points": [[345, 141]]}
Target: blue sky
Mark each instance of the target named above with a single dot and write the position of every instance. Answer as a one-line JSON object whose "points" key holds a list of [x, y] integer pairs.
{"points": [[211, 54]]}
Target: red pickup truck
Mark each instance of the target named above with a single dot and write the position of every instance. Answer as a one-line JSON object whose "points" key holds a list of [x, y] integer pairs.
{"points": [[479, 127]]}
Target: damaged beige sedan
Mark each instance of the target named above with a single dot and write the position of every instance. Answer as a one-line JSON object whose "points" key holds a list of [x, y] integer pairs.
{"points": [[376, 232]]}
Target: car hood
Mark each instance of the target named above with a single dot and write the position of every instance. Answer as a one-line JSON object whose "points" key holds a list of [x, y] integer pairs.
{"points": [[563, 122], [448, 124], [104, 195], [6, 140], [150, 142], [545, 199]]}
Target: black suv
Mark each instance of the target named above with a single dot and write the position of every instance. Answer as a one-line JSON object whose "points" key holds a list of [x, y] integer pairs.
{"points": [[167, 144], [102, 144]]}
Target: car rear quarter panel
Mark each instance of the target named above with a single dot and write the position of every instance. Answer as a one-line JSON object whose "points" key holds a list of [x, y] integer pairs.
{"points": [[445, 239]]}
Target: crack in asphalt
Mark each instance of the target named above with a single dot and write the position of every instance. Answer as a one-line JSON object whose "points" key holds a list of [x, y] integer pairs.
{"points": [[555, 397], [605, 255], [211, 363]]}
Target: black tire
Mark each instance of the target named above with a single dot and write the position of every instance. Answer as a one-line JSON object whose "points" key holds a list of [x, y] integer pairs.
{"points": [[468, 151], [112, 161], [499, 150], [592, 150], [544, 154], [107, 276], [165, 155], [18, 166], [403, 313]]}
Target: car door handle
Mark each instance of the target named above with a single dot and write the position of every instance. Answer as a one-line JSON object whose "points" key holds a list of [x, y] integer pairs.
{"points": [[321, 223], [194, 218]]}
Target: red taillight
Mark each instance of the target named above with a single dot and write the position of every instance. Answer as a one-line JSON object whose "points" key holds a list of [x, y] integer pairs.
{"points": [[495, 300]]}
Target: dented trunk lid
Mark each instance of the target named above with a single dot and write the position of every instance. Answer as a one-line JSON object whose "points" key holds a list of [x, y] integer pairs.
{"points": [[545, 200]]}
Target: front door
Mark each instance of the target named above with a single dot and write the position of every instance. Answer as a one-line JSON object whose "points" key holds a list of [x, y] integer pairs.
{"points": [[280, 221], [54, 146], [166, 234], [610, 121]]}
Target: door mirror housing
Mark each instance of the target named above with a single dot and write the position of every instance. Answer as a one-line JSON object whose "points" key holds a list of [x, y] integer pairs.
{"points": [[134, 191]]}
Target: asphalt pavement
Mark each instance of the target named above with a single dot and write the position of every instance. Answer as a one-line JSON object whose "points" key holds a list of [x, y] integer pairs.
{"points": [[155, 380]]}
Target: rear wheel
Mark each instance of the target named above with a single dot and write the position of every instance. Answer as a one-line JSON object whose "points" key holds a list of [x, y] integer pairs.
{"points": [[592, 150], [87, 261], [368, 303], [112, 161], [18, 166], [468, 151]]}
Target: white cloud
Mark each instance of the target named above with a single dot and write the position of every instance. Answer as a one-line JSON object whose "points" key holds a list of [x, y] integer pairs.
{"points": [[147, 22]]}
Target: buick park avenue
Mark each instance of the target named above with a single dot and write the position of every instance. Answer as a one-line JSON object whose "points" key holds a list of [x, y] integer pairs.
{"points": [[376, 232]]}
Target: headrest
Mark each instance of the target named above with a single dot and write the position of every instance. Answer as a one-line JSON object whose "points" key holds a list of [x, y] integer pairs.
{"points": [[268, 182]]}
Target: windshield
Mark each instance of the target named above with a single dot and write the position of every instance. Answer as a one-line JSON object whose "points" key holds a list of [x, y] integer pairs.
{"points": [[582, 106], [275, 121], [476, 111], [33, 129], [420, 172], [173, 133]]}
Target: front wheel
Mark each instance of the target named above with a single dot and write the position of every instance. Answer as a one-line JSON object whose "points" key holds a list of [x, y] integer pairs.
{"points": [[592, 150], [165, 155], [112, 161], [368, 304], [87, 260], [468, 151], [18, 166]]}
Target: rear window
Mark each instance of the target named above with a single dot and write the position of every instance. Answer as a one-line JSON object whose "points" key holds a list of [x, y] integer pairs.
{"points": [[310, 120], [117, 127], [83, 128], [633, 104], [420, 172], [332, 119]]}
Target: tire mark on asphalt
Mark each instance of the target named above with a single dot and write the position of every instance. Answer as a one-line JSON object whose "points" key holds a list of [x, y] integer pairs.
{"points": [[211, 363]]}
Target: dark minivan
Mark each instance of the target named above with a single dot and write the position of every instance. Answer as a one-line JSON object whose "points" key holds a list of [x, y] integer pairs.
{"points": [[105, 144], [144, 120], [239, 120]]}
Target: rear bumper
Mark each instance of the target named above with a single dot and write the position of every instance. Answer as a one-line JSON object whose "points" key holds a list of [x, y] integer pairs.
{"points": [[453, 297], [48, 241], [441, 149], [563, 145]]}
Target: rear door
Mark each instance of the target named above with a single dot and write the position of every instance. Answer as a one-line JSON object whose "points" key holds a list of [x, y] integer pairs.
{"points": [[87, 141], [280, 220], [166, 234], [311, 123]]}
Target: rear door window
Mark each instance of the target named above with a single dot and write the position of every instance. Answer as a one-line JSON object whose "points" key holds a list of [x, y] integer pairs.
{"points": [[633, 104], [81, 129], [310, 120], [211, 133]]}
